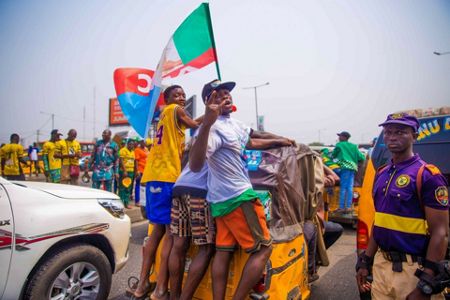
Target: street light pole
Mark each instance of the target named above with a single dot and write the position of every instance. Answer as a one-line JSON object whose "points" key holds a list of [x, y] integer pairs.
{"points": [[320, 130], [441, 53], [256, 109], [256, 100], [53, 118]]}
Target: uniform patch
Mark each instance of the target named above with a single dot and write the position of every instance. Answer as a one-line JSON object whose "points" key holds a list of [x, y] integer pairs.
{"points": [[402, 180], [397, 116], [441, 194]]}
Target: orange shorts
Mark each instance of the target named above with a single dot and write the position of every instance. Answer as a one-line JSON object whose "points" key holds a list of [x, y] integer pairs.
{"points": [[245, 226]]}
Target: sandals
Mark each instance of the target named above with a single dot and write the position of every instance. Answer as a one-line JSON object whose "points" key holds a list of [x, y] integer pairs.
{"points": [[131, 289]]}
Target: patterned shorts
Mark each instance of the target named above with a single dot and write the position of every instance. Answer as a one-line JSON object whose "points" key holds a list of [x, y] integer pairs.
{"points": [[191, 217]]}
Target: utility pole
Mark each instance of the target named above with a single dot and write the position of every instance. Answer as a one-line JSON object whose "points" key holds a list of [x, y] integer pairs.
{"points": [[320, 131], [256, 100], [93, 126], [37, 136], [52, 115], [256, 108], [84, 123]]}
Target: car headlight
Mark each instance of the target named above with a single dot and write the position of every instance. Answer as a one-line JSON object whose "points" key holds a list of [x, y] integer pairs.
{"points": [[114, 207]]}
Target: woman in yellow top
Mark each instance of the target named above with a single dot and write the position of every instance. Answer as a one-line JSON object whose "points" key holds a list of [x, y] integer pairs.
{"points": [[11, 157], [128, 169]]}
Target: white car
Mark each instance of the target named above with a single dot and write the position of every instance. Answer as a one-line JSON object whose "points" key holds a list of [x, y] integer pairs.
{"points": [[59, 241]]}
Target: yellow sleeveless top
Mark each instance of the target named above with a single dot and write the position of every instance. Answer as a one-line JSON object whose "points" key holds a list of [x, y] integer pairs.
{"points": [[164, 160]]}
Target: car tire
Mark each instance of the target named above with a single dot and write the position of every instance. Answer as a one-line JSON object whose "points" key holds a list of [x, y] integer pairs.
{"points": [[63, 262]]}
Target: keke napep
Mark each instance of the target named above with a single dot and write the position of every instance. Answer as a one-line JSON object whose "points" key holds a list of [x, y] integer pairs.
{"points": [[289, 181]]}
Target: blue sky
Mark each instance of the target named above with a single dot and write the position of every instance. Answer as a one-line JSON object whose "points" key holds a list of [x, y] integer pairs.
{"points": [[332, 65]]}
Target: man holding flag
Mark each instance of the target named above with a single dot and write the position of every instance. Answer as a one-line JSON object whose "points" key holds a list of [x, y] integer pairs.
{"points": [[161, 171], [190, 48]]}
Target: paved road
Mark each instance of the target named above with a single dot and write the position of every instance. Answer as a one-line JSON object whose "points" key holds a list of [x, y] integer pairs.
{"points": [[336, 281]]}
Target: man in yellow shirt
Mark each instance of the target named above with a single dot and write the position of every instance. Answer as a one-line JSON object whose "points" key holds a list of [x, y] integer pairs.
{"points": [[12, 155], [128, 168], [69, 150], [52, 164], [161, 171]]}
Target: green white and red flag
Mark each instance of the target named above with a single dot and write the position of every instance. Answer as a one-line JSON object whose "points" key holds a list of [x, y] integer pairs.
{"points": [[191, 47]]}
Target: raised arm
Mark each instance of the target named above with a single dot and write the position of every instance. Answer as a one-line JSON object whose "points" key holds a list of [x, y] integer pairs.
{"points": [[261, 144], [256, 134], [184, 119], [197, 154]]}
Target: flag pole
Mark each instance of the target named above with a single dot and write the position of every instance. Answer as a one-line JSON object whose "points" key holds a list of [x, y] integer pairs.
{"points": [[212, 39]]}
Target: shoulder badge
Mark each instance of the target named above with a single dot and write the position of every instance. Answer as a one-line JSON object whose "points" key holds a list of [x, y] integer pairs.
{"points": [[402, 180], [441, 194], [433, 169]]}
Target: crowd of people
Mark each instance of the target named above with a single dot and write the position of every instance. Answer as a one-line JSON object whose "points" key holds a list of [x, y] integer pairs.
{"points": [[208, 201], [113, 169], [204, 196]]}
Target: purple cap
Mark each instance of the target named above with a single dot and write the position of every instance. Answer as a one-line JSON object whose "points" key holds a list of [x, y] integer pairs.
{"points": [[403, 119]]}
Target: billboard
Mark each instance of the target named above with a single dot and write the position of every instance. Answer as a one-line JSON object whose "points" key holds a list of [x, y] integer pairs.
{"points": [[116, 116]]}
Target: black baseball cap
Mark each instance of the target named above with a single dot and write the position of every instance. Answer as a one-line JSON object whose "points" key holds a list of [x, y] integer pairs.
{"points": [[344, 134], [216, 85], [55, 131]]}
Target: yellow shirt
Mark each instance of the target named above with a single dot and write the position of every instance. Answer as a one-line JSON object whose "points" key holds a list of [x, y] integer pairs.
{"points": [[164, 160], [127, 157], [49, 150], [10, 154], [66, 147]]}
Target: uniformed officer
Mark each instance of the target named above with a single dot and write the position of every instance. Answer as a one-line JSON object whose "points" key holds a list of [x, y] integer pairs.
{"points": [[410, 230]]}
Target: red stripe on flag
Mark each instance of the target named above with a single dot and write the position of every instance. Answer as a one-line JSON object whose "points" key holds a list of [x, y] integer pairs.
{"points": [[199, 62]]}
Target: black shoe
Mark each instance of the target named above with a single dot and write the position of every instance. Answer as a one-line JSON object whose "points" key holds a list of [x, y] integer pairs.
{"points": [[313, 277]]}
